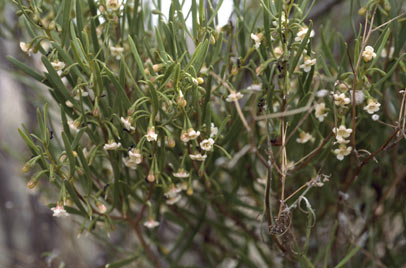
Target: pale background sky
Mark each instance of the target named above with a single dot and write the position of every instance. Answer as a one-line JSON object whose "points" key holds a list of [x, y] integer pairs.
{"points": [[224, 12]]}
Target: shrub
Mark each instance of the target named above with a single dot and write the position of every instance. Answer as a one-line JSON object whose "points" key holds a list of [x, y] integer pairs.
{"points": [[221, 143]]}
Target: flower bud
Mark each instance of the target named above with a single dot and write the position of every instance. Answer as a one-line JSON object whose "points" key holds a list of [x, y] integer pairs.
{"points": [[151, 176], [362, 11], [171, 142], [156, 67], [200, 80]]}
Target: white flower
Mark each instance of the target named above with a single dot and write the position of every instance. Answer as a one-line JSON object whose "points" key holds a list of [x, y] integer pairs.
{"points": [[307, 65], [213, 130], [151, 135], [181, 173], [359, 96], [127, 123], [373, 106], [113, 4], [384, 52], [375, 117], [257, 39], [207, 144], [368, 54], [73, 125], [278, 51], [283, 20], [342, 151], [234, 96], [198, 157], [116, 51], [173, 200], [173, 191], [130, 162], [58, 65], [343, 87], [255, 87], [69, 103], [59, 211], [304, 137], [322, 93], [25, 47], [341, 133], [151, 223], [341, 99], [111, 146], [135, 154], [320, 111], [192, 134], [302, 33], [79, 93]]}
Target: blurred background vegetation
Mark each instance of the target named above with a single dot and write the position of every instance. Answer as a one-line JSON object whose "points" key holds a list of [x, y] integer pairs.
{"points": [[31, 237]]}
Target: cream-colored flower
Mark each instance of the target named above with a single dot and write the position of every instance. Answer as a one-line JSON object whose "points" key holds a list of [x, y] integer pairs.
{"points": [[302, 33], [368, 54], [58, 65], [127, 123], [320, 111], [113, 4], [283, 20], [192, 134], [116, 51], [254, 87], [181, 173], [341, 100], [342, 151], [343, 87], [80, 92], [26, 47], [373, 106], [135, 154], [341, 133], [384, 52], [234, 96], [198, 157], [151, 135], [173, 200], [207, 144], [304, 137], [74, 125], [213, 130], [307, 65], [184, 136], [257, 39], [151, 223], [278, 51], [130, 162], [59, 211], [181, 100], [111, 146], [172, 192]]}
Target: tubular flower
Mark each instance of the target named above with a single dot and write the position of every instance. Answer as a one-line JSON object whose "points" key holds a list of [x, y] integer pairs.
{"points": [[111, 146], [302, 33], [181, 173], [127, 123], [368, 54], [151, 223], [307, 65], [207, 144], [320, 111], [342, 151], [373, 106], [341, 100], [151, 135], [341, 133], [59, 211], [304, 137], [234, 96]]}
